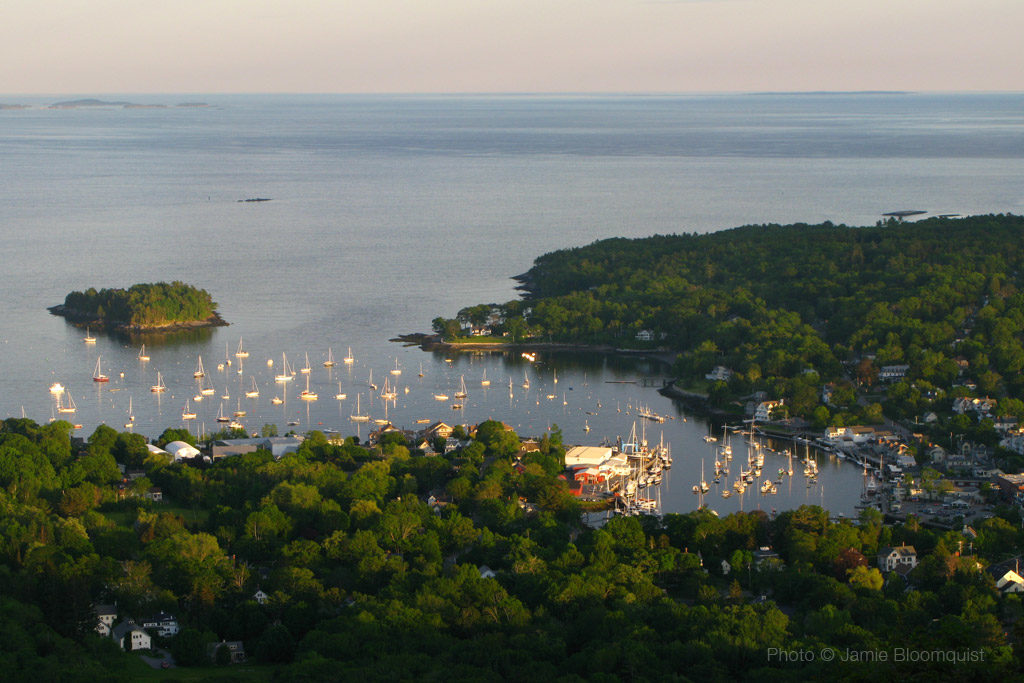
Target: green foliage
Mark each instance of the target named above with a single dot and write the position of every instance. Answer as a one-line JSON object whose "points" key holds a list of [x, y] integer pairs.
{"points": [[356, 564], [785, 306], [144, 305]]}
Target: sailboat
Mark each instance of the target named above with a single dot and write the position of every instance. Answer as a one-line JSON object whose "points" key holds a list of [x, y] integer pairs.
{"points": [[97, 375], [440, 397], [396, 371], [239, 412], [142, 354], [358, 416], [254, 392], [56, 388], [586, 426], [340, 396], [68, 407], [555, 375], [461, 393], [159, 387], [204, 389], [221, 417], [484, 382], [186, 413], [510, 387], [526, 380], [421, 369], [131, 415], [387, 393], [348, 360], [306, 394], [88, 338], [285, 376], [306, 369], [329, 363], [369, 381], [241, 353], [199, 372]]}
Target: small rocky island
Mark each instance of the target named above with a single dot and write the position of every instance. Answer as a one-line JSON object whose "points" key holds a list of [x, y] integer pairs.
{"points": [[154, 307]]}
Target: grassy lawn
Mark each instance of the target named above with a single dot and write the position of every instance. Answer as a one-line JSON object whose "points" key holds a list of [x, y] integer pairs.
{"points": [[480, 340]]}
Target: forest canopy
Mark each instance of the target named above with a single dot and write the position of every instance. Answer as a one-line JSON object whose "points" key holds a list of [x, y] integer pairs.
{"points": [[777, 303], [142, 306]]}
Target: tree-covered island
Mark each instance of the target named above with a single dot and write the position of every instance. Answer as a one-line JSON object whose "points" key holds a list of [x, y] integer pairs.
{"points": [[142, 307]]}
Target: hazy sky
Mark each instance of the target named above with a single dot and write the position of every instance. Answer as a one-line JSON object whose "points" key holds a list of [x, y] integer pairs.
{"points": [[199, 46]]}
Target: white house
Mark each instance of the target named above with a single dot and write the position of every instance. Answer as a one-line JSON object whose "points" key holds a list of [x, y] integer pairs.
{"points": [[899, 559], [719, 374], [105, 616], [1007, 576], [163, 624], [130, 637], [889, 373], [763, 411], [260, 597], [645, 335]]}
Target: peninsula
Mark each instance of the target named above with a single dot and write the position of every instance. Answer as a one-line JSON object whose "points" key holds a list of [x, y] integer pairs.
{"points": [[142, 308], [835, 324]]}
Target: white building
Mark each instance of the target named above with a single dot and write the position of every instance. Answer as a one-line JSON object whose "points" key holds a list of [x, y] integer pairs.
{"points": [[179, 450], [130, 637], [587, 456], [899, 559]]}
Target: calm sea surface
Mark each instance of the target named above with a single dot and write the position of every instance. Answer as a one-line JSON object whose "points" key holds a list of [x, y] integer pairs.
{"points": [[389, 211]]}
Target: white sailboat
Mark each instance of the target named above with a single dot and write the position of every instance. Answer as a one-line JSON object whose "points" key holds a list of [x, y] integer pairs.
{"points": [[221, 417], [254, 392], [348, 360], [440, 397], [88, 338], [186, 413], [306, 369], [306, 394], [159, 387], [142, 354], [369, 381], [526, 380], [340, 396], [56, 388], [387, 393], [484, 382], [396, 371], [205, 389], [239, 412], [358, 416], [199, 371], [241, 353], [131, 415], [68, 407], [285, 375], [421, 369], [461, 393], [329, 363]]}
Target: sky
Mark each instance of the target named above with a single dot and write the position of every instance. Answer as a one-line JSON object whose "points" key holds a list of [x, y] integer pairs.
{"points": [[536, 46]]}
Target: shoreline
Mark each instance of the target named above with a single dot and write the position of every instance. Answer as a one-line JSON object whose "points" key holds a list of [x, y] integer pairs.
{"points": [[78, 318]]}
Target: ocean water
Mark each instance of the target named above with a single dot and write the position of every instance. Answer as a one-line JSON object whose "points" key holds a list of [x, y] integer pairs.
{"points": [[387, 211]]}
